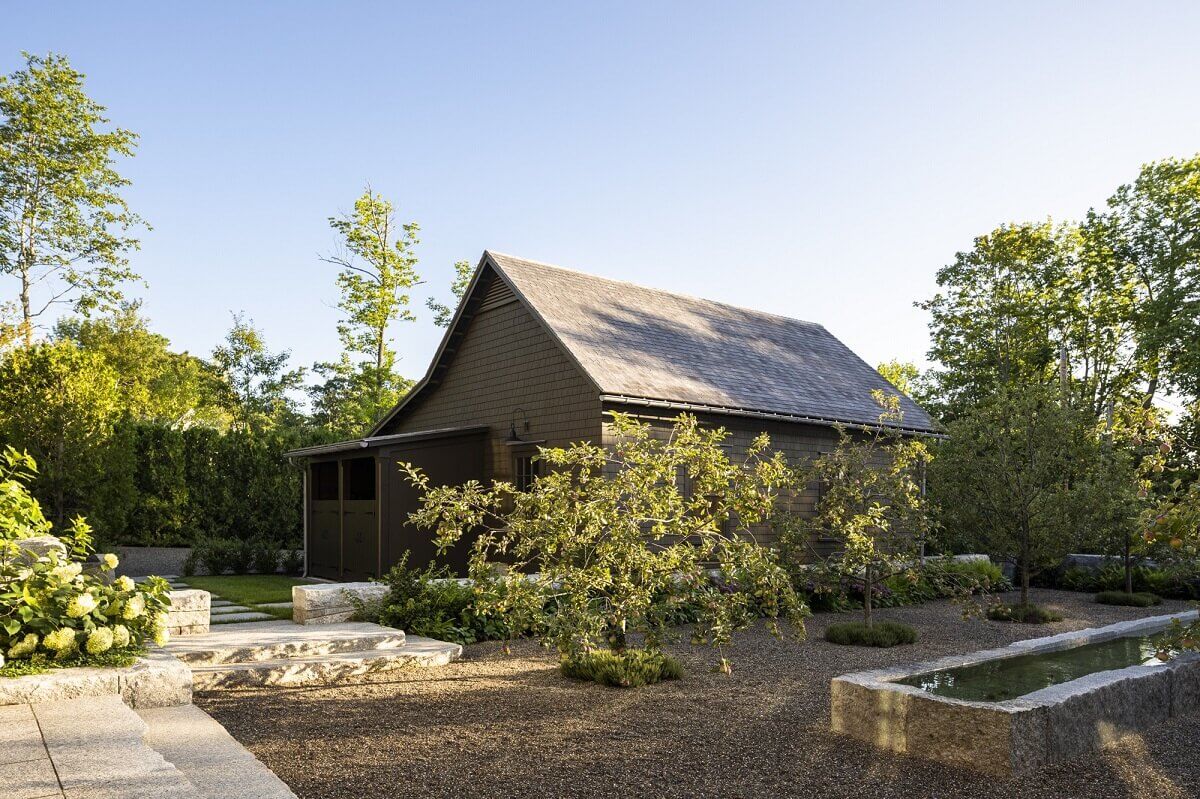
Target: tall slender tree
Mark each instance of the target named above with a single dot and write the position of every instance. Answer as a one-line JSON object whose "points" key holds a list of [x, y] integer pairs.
{"points": [[444, 314], [64, 224], [258, 382]]}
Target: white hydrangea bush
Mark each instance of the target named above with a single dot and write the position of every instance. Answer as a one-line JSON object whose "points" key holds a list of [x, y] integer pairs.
{"points": [[56, 605]]}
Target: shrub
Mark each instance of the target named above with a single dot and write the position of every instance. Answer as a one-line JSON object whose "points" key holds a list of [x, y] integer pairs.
{"points": [[631, 668], [293, 561], [1134, 600], [216, 555], [430, 602], [264, 556], [881, 634], [1027, 613], [55, 609]]}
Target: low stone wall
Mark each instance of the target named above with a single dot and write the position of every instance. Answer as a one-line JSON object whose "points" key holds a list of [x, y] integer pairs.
{"points": [[156, 680], [189, 612], [1023, 734], [326, 603]]}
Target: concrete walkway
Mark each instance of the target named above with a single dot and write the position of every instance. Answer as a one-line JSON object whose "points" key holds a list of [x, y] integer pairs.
{"points": [[98, 748]]}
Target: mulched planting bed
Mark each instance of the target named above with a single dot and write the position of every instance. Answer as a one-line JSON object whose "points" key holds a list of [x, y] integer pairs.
{"points": [[511, 726]]}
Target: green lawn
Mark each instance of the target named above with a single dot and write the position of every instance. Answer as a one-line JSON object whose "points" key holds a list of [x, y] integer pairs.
{"points": [[249, 589]]}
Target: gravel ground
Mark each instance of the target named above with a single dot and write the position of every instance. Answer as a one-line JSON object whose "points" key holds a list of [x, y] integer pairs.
{"points": [[510, 726]]}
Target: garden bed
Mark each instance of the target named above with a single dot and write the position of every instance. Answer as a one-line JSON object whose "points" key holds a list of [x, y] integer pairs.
{"points": [[513, 726]]}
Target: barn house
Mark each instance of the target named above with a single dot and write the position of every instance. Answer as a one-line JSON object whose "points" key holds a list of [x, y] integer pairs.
{"points": [[535, 356]]}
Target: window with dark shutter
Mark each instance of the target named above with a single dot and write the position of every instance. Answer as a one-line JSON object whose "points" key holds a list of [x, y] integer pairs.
{"points": [[526, 468]]}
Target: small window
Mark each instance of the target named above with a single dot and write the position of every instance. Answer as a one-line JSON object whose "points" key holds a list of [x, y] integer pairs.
{"points": [[359, 477], [325, 481], [526, 469]]}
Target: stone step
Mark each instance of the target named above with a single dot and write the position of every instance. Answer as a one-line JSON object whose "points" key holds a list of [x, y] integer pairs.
{"points": [[279, 639], [230, 608], [241, 616], [208, 756], [417, 652], [96, 747]]}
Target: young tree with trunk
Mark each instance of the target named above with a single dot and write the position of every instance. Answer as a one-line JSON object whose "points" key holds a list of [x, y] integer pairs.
{"points": [[872, 500], [257, 382], [622, 542], [378, 269], [63, 222]]}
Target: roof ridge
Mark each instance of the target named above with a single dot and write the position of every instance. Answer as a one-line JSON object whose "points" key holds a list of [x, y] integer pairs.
{"points": [[693, 297]]}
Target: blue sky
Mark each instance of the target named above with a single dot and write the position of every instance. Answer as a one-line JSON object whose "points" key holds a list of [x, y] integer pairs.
{"points": [[814, 160]]}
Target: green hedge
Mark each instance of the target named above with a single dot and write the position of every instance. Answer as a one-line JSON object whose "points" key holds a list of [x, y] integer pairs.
{"points": [[169, 487]]}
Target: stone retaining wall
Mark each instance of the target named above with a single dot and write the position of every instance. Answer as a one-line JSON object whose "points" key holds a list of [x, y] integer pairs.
{"points": [[189, 612], [156, 680]]}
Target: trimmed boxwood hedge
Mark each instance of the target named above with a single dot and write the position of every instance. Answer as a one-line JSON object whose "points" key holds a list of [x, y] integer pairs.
{"points": [[880, 633], [1138, 599]]}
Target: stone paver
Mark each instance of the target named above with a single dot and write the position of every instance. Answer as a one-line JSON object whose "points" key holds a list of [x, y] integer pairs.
{"points": [[239, 643], [208, 756], [20, 738], [274, 605], [230, 618], [29, 780], [229, 609]]}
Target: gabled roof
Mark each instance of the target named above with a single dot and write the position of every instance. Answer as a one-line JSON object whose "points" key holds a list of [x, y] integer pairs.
{"points": [[649, 347]]}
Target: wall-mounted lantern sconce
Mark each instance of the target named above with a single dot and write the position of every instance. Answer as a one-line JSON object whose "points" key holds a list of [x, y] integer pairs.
{"points": [[513, 438]]}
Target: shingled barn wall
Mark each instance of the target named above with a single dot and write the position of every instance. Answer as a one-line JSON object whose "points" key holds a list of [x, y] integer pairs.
{"points": [[798, 442]]}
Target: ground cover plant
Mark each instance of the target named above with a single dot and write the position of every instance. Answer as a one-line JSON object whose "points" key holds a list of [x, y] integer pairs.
{"points": [[1134, 600], [604, 550], [1022, 612], [881, 634], [57, 608]]}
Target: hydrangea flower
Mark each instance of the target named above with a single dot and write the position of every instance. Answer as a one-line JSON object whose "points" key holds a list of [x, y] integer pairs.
{"points": [[25, 647], [66, 572], [109, 560], [135, 607], [61, 640], [161, 634], [81, 605], [99, 640], [120, 636], [124, 583]]}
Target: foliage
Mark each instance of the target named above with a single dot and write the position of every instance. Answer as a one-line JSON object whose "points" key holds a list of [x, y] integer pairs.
{"points": [[20, 514], [292, 561], [430, 602], [1135, 600], [444, 314], [154, 384], [631, 668], [63, 221], [830, 590], [610, 539], [871, 499], [881, 634], [41, 662], [1176, 581], [60, 403], [1022, 612], [61, 605], [377, 269], [1014, 475], [256, 381]]}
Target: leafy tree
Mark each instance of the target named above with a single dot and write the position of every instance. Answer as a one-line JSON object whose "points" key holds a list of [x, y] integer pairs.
{"points": [[872, 500], [1013, 477], [1151, 229], [901, 374], [256, 380], [378, 268], [156, 384], [59, 403], [1034, 305], [620, 541], [20, 514], [444, 314], [63, 221]]}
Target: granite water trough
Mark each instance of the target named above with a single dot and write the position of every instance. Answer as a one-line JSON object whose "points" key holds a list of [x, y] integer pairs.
{"points": [[1020, 734]]}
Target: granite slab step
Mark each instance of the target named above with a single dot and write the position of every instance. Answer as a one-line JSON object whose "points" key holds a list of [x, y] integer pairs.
{"points": [[95, 744], [208, 756], [417, 652], [279, 639]]}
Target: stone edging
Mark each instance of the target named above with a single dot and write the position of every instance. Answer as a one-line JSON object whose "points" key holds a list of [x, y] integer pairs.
{"points": [[155, 680]]}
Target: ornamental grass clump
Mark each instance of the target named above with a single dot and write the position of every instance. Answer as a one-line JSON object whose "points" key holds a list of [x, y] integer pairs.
{"points": [[881, 633], [56, 609], [1023, 613], [632, 668], [612, 546]]}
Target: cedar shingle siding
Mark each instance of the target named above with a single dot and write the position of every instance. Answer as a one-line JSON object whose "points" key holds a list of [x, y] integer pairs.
{"points": [[557, 348]]}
